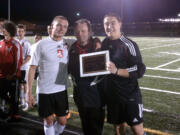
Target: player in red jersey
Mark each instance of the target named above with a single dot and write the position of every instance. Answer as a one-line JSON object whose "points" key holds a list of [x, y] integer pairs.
{"points": [[10, 63]]}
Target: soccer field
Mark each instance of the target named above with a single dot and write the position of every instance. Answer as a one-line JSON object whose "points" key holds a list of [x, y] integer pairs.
{"points": [[160, 87]]}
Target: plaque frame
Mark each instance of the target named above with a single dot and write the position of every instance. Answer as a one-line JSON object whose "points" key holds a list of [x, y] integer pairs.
{"points": [[94, 55]]}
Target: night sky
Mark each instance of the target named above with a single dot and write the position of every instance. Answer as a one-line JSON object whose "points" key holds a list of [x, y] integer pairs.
{"points": [[42, 11]]}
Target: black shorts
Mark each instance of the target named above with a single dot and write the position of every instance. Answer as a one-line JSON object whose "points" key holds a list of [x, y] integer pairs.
{"points": [[23, 77], [121, 112], [36, 75], [56, 103]]}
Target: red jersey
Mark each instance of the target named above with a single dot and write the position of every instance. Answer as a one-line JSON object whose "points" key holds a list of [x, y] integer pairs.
{"points": [[10, 58]]}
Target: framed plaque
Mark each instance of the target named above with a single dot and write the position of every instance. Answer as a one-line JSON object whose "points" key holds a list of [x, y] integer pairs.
{"points": [[92, 64]]}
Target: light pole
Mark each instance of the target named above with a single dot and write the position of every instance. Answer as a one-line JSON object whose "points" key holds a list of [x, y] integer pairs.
{"points": [[9, 10]]}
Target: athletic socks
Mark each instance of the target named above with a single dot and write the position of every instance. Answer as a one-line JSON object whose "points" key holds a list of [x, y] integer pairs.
{"points": [[3, 102], [22, 101], [58, 128], [55, 129], [25, 96], [49, 129]]}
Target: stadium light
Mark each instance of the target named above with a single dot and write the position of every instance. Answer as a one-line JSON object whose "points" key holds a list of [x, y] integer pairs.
{"points": [[170, 20], [78, 14]]}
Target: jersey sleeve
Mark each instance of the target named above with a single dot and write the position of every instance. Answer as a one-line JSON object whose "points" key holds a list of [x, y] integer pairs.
{"points": [[136, 66]]}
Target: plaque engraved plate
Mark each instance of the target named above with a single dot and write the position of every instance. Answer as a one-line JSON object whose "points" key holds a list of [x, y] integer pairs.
{"points": [[93, 64]]}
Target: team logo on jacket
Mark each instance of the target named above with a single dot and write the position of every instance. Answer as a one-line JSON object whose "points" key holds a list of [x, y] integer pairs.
{"points": [[60, 53]]}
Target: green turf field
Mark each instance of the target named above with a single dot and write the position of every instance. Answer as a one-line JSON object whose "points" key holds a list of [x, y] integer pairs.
{"points": [[160, 87]]}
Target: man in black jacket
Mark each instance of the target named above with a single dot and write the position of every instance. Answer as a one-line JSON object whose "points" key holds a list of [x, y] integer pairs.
{"points": [[124, 100], [87, 98]]}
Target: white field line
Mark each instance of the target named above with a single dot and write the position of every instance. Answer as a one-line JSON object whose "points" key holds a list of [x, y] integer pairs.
{"points": [[41, 123], [168, 63], [159, 46], [162, 77], [72, 132], [148, 110], [157, 40], [163, 69], [31, 120], [168, 40], [178, 54], [159, 90]]}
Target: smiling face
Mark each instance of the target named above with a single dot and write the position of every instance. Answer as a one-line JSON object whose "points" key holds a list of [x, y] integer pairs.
{"points": [[112, 27], [59, 28]]}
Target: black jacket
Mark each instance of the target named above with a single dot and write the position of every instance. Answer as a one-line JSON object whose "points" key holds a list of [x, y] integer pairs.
{"points": [[84, 94], [126, 55]]}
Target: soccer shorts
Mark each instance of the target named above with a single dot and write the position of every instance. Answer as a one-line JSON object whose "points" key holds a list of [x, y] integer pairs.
{"points": [[56, 103], [124, 112]]}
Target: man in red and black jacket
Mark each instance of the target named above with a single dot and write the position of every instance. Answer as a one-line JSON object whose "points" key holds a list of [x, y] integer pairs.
{"points": [[10, 63], [87, 98]]}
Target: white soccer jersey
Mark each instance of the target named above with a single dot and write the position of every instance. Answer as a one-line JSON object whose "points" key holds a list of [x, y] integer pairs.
{"points": [[48, 54], [26, 47]]}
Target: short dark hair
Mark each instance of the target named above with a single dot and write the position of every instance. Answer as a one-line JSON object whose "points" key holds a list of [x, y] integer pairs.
{"points": [[112, 14], [10, 27], [86, 21], [59, 17], [21, 26]]}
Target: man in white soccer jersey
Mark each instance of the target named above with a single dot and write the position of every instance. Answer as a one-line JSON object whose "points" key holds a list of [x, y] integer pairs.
{"points": [[51, 55], [21, 31]]}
